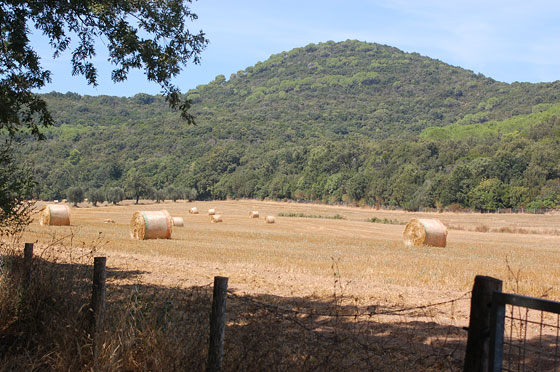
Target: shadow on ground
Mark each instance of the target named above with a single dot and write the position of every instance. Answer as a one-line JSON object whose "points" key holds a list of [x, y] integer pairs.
{"points": [[154, 328]]}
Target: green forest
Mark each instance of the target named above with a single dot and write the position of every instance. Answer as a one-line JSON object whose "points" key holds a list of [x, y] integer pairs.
{"points": [[349, 122]]}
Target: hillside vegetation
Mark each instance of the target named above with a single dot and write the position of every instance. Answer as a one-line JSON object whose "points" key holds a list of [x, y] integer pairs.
{"points": [[347, 122]]}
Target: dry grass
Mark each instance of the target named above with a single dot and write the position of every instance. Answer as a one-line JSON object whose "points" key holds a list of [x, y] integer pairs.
{"points": [[294, 255], [283, 272]]}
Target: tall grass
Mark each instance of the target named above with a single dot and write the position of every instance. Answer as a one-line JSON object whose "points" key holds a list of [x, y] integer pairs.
{"points": [[153, 328]]}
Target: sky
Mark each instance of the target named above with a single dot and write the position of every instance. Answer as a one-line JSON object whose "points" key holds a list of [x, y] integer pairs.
{"points": [[505, 40]]}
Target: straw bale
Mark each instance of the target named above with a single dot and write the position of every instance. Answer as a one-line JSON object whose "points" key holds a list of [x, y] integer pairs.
{"points": [[178, 221], [108, 220], [269, 219], [425, 231], [216, 218], [193, 210], [151, 225], [211, 212], [254, 214], [55, 215]]}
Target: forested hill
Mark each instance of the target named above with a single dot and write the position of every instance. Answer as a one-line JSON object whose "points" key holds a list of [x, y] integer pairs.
{"points": [[349, 121]]}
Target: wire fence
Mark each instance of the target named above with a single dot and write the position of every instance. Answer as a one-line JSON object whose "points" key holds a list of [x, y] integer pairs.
{"points": [[311, 335], [525, 334]]}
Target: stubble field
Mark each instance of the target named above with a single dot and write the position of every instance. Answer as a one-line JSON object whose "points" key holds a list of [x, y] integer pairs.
{"points": [[299, 256], [306, 293]]}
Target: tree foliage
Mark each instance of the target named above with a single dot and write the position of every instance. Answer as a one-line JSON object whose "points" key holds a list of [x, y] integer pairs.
{"points": [[148, 35], [342, 122]]}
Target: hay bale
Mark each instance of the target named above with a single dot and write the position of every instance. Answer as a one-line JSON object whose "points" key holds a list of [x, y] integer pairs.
{"points": [[211, 212], [216, 218], [269, 219], [108, 220], [151, 225], [424, 231], [55, 215], [193, 210], [254, 214], [178, 221]]}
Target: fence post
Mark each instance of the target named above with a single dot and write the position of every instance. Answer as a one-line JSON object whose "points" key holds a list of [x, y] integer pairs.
{"points": [[478, 341], [28, 263], [217, 325], [97, 300], [497, 321]]}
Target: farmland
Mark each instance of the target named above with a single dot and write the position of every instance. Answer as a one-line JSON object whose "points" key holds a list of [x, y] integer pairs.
{"points": [[300, 256], [320, 289]]}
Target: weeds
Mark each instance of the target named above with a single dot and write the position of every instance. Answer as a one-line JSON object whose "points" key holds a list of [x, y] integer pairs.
{"points": [[291, 214], [506, 229], [386, 221]]}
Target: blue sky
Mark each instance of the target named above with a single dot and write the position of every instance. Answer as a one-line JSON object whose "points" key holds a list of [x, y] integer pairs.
{"points": [[505, 40]]}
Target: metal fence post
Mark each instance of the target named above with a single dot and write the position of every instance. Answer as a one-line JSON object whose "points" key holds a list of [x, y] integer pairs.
{"points": [[497, 322], [217, 325], [478, 341]]}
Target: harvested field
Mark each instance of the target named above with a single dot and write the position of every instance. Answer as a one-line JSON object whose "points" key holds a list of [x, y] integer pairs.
{"points": [[303, 262], [371, 257]]}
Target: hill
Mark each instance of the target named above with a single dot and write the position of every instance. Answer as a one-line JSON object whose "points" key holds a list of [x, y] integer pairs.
{"points": [[331, 122]]}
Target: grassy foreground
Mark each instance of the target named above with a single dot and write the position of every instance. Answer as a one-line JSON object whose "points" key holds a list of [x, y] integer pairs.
{"points": [[306, 294]]}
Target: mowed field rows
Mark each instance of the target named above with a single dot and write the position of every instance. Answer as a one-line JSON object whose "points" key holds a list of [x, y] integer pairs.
{"points": [[302, 257]]}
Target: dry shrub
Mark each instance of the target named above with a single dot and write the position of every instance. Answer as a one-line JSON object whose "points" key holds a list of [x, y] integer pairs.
{"points": [[43, 320], [481, 228]]}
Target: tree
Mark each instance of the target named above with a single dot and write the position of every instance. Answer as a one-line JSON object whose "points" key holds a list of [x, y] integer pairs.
{"points": [[115, 195], [75, 195], [143, 34], [16, 184], [96, 196], [159, 195], [173, 193], [136, 184], [488, 195], [191, 194]]}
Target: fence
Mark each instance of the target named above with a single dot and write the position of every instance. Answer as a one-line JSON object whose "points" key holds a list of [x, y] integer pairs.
{"points": [[303, 334], [525, 334]]}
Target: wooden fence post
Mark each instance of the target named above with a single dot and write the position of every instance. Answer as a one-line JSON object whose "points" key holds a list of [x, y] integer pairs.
{"points": [[478, 341], [28, 263], [97, 307], [217, 325]]}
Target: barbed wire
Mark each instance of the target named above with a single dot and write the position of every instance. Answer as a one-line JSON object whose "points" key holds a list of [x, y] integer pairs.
{"points": [[277, 308]]}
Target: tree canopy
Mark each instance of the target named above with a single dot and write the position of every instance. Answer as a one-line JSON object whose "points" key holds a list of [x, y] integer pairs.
{"points": [[147, 35], [142, 34]]}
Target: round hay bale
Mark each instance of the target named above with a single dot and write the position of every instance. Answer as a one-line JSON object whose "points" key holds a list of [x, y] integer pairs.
{"points": [[254, 214], [108, 220], [151, 225], [425, 231], [55, 215], [193, 210], [178, 221], [216, 218], [269, 219], [211, 212]]}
